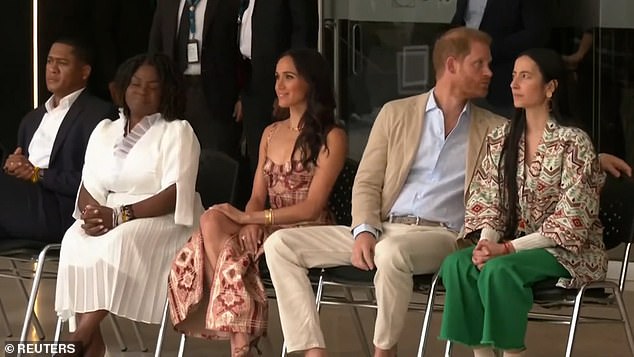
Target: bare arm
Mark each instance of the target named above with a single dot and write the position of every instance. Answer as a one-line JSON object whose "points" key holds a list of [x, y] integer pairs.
{"points": [[85, 199], [160, 204], [329, 164]]}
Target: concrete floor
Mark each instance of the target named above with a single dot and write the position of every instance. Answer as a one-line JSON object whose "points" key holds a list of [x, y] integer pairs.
{"points": [[542, 339]]}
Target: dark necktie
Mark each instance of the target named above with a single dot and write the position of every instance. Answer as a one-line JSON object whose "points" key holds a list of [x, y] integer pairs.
{"points": [[182, 38]]}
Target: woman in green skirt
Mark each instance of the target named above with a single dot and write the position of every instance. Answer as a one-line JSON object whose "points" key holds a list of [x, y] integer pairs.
{"points": [[535, 203]]}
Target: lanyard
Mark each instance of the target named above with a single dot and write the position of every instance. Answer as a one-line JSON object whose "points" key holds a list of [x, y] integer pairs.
{"points": [[191, 8]]}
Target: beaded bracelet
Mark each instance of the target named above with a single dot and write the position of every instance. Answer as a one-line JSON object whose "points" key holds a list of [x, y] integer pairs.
{"points": [[36, 174], [122, 214], [127, 213], [508, 247], [116, 216]]}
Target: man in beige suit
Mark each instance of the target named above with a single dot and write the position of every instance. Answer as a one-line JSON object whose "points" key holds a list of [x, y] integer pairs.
{"points": [[408, 198], [407, 201]]}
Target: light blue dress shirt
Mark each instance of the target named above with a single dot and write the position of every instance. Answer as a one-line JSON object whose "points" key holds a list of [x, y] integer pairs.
{"points": [[475, 12], [434, 188]]}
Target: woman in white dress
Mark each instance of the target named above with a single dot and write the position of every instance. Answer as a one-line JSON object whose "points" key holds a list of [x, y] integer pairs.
{"points": [[135, 208]]}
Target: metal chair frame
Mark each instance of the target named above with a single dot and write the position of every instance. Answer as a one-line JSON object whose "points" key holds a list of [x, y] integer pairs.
{"points": [[233, 166], [29, 256], [426, 284]]}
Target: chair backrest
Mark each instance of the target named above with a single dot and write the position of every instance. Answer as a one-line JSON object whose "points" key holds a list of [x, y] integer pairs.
{"points": [[217, 177], [340, 202], [617, 211]]}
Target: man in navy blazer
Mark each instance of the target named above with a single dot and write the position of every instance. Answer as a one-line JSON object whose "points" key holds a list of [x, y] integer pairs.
{"points": [[41, 177], [514, 26]]}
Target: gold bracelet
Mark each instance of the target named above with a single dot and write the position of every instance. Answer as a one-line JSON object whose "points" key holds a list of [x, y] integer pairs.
{"points": [[272, 216], [36, 174], [268, 217]]}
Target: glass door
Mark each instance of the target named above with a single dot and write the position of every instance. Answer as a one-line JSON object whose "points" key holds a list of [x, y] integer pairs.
{"points": [[380, 50]]}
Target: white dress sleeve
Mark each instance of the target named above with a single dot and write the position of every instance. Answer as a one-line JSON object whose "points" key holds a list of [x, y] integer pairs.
{"points": [[180, 155], [90, 172]]}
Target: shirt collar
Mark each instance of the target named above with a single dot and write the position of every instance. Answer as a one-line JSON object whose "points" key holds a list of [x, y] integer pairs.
{"points": [[65, 102], [433, 105]]}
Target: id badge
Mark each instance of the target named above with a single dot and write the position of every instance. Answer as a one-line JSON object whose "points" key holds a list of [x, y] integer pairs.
{"points": [[192, 51]]}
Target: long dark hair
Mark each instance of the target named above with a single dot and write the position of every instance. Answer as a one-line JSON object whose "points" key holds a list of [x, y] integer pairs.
{"points": [[172, 104], [551, 67], [319, 117]]}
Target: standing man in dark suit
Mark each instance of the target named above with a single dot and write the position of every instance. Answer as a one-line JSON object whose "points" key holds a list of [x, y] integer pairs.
{"points": [[41, 177], [121, 29], [267, 29], [514, 26], [201, 36]]}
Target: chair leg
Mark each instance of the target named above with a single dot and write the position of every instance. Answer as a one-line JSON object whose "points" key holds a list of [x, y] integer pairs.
{"points": [[429, 309], [35, 320], [626, 320], [574, 319], [117, 333], [137, 334], [58, 329], [161, 334], [181, 345], [372, 298], [448, 348], [357, 323], [5, 320], [320, 291], [41, 260]]}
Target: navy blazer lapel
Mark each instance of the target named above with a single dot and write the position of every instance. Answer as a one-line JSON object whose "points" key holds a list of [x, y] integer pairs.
{"points": [[210, 10], [71, 117]]}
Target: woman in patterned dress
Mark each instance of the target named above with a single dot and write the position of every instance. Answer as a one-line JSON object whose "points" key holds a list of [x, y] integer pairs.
{"points": [[214, 286], [535, 203]]}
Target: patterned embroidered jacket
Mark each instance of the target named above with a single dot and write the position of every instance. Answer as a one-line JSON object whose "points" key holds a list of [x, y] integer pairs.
{"points": [[558, 197]]}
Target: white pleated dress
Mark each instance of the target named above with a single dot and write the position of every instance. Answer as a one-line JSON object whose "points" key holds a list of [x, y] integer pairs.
{"points": [[125, 270]]}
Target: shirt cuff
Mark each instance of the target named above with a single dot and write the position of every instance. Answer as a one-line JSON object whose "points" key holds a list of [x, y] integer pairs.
{"points": [[364, 227], [490, 234], [532, 241]]}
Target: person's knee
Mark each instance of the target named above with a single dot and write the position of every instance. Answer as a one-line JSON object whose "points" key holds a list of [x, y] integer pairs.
{"points": [[496, 269], [210, 222], [273, 243], [391, 255], [456, 262], [276, 246]]}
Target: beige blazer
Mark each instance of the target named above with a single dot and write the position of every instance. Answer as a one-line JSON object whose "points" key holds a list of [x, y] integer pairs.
{"points": [[392, 148]]}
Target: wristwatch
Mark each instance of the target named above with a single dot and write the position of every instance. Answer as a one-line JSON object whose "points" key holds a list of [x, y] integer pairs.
{"points": [[40, 174]]}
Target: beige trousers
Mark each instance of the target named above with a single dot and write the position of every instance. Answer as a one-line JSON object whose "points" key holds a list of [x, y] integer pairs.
{"points": [[402, 250]]}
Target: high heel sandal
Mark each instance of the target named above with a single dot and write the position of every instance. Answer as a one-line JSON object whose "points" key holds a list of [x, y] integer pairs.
{"points": [[246, 350]]}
